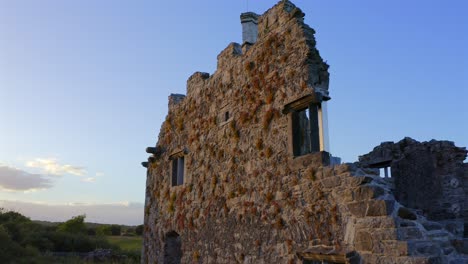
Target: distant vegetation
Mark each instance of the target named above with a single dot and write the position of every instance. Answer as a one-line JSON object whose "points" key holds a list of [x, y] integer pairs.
{"points": [[26, 241]]}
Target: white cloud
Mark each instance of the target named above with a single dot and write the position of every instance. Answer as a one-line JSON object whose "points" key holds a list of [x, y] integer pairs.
{"points": [[51, 166], [12, 179], [89, 179], [125, 213]]}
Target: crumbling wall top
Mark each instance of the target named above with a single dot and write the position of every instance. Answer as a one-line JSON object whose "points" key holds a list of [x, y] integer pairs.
{"points": [[389, 151], [232, 51], [427, 175], [175, 99]]}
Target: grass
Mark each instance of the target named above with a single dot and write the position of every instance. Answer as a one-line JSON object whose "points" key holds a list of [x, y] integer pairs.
{"points": [[127, 243]]}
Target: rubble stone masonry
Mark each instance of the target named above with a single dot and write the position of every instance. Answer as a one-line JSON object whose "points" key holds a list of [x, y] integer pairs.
{"points": [[224, 185]]}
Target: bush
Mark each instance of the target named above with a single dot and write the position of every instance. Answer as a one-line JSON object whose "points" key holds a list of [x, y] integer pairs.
{"points": [[40, 240], [75, 225], [66, 242], [23, 241], [103, 230], [139, 230], [91, 231], [116, 230], [11, 251]]}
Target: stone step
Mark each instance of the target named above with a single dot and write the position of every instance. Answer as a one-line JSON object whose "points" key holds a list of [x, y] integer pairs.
{"points": [[430, 226], [409, 233], [448, 250], [438, 235], [459, 260], [424, 247]]}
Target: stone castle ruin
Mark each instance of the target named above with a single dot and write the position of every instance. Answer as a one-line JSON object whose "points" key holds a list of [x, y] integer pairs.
{"points": [[242, 173]]}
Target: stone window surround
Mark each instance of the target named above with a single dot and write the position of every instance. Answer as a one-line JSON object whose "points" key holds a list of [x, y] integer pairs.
{"points": [[305, 133], [301, 104], [177, 155], [385, 164], [225, 111]]}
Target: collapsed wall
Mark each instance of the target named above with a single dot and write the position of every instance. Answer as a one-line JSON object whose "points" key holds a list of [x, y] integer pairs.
{"points": [[241, 172], [429, 180], [428, 176]]}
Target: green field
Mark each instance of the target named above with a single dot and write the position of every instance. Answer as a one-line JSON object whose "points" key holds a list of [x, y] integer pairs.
{"points": [[127, 243]]}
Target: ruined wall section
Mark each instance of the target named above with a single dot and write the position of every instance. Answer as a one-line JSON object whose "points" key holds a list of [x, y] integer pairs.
{"points": [[463, 174], [245, 198], [307, 61], [233, 183], [427, 175], [429, 180]]}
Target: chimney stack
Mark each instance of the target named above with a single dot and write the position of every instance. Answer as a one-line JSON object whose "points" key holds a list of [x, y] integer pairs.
{"points": [[249, 22]]}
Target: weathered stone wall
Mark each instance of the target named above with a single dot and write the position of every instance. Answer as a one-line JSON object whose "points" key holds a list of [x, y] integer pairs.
{"points": [[430, 180], [234, 185], [428, 176], [245, 198], [463, 174]]}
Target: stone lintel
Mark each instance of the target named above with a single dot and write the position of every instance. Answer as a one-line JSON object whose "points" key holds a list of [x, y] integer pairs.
{"points": [[303, 102]]}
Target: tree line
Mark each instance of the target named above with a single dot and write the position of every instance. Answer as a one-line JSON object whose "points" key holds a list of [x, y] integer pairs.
{"points": [[25, 241]]}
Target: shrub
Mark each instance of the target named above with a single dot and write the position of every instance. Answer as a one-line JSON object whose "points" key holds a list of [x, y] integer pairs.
{"points": [[196, 255], [249, 66], [244, 117], [91, 231], [103, 230], [268, 117], [269, 197], [9, 249], [23, 241], [67, 242], [139, 230], [259, 144], [279, 223], [116, 230], [75, 225], [268, 152], [180, 123]]}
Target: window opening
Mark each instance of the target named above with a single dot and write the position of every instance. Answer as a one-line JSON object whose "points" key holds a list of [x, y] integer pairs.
{"points": [[306, 138], [226, 116], [385, 172], [178, 171], [309, 125]]}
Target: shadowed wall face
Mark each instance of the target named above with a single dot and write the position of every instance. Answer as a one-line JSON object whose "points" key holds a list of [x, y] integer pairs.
{"points": [[428, 176]]}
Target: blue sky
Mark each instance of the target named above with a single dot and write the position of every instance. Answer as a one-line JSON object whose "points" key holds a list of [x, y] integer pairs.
{"points": [[84, 86]]}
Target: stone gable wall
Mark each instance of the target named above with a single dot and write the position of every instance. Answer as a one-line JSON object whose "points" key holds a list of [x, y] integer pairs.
{"points": [[245, 198]]}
